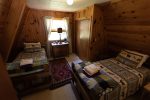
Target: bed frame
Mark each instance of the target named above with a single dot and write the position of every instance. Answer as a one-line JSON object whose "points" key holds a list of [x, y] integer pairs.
{"points": [[26, 81], [81, 91], [80, 88]]}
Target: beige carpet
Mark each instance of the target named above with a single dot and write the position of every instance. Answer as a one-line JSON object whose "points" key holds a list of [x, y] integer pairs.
{"points": [[63, 93]]}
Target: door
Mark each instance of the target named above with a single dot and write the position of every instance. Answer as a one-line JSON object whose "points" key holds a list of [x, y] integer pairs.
{"points": [[7, 91], [83, 35]]}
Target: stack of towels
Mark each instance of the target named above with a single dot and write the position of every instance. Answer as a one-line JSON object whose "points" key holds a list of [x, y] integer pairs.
{"points": [[26, 64], [28, 61], [92, 69]]}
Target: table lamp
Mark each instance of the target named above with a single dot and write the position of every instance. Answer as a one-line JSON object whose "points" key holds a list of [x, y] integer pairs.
{"points": [[59, 30]]}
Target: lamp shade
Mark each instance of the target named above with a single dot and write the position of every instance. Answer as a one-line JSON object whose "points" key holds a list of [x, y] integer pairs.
{"points": [[59, 30]]}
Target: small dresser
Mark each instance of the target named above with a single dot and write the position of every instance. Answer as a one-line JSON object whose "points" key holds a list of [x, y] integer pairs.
{"points": [[60, 49]]}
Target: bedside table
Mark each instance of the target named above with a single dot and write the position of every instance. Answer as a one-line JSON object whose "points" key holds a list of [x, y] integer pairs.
{"points": [[146, 92], [60, 49]]}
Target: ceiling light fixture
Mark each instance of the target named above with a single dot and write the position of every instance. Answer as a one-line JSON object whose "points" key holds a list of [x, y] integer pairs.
{"points": [[69, 2]]}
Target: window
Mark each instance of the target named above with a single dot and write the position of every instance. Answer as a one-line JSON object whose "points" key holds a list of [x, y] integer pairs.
{"points": [[53, 25]]}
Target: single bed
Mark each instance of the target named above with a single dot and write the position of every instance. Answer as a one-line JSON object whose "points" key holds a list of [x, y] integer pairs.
{"points": [[40, 63], [115, 80], [39, 57], [31, 77]]}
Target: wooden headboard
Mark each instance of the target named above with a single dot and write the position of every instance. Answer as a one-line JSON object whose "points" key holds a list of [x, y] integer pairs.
{"points": [[127, 25]]}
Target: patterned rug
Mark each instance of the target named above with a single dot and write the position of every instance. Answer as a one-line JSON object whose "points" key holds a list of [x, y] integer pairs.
{"points": [[61, 73]]}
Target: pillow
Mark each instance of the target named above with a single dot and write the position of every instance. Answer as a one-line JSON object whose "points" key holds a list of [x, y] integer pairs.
{"points": [[132, 58], [32, 47]]}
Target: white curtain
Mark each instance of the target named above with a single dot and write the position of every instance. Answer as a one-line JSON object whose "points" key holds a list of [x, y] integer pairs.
{"points": [[48, 22], [68, 32]]}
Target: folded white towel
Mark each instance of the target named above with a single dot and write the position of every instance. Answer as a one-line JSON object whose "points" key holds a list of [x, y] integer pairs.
{"points": [[91, 69], [26, 61]]}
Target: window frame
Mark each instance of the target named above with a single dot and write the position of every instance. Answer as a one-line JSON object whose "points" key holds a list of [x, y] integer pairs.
{"points": [[55, 30]]}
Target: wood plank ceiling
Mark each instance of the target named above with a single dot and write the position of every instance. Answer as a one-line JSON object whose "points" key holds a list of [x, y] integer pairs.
{"points": [[61, 5]]}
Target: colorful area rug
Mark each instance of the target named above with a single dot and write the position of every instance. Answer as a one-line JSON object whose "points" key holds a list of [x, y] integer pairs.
{"points": [[61, 73]]}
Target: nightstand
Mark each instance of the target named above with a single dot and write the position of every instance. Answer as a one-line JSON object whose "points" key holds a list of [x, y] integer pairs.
{"points": [[146, 92], [60, 49]]}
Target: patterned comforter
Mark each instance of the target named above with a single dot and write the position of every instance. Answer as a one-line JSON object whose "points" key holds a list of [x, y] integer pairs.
{"points": [[114, 81], [39, 58]]}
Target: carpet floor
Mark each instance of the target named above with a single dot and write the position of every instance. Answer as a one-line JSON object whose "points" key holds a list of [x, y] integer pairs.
{"points": [[61, 73]]}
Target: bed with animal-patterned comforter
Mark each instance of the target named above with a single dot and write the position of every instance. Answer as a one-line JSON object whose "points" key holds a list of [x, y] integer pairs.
{"points": [[115, 81]]}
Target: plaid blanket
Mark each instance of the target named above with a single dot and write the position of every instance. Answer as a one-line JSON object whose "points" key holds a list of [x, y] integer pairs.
{"points": [[39, 58], [114, 81]]}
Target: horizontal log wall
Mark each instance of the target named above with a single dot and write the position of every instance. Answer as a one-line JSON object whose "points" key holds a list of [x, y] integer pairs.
{"points": [[127, 25], [98, 42]]}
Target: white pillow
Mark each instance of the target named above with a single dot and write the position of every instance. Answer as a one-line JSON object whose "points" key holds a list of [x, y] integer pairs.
{"points": [[144, 57], [132, 58], [32, 45]]}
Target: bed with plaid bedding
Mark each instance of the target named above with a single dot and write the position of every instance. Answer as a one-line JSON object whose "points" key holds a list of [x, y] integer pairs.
{"points": [[39, 59], [115, 81]]}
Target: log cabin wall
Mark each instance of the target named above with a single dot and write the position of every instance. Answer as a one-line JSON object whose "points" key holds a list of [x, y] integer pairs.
{"points": [[127, 25], [13, 21], [34, 29], [98, 38]]}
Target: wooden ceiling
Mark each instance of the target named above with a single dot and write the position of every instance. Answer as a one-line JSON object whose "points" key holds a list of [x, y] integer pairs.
{"points": [[61, 5]]}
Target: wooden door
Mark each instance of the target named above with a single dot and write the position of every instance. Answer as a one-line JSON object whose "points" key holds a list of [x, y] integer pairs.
{"points": [[83, 35], [7, 91]]}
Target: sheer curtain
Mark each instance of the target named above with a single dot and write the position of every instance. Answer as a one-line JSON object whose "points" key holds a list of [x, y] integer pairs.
{"points": [[68, 32], [48, 22]]}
